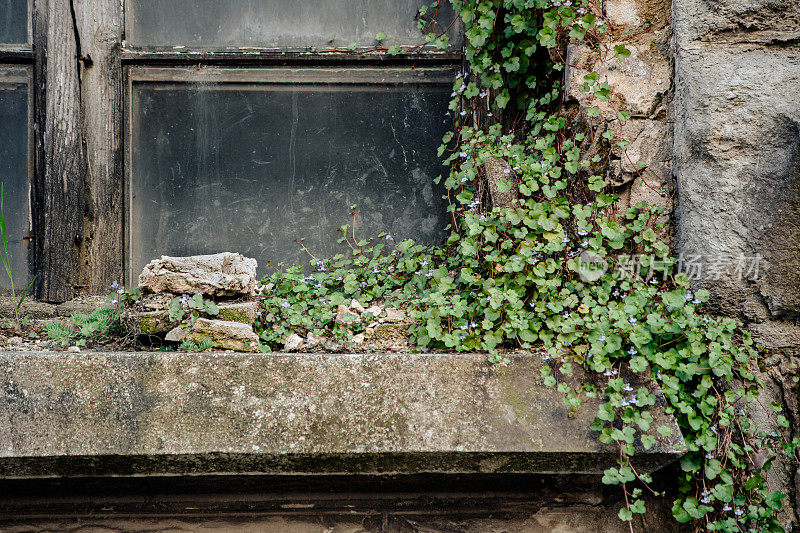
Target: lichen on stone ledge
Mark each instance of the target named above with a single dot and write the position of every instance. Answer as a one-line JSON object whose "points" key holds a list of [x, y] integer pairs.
{"points": [[161, 413]]}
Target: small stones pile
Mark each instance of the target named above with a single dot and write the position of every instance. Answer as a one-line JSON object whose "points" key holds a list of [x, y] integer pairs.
{"points": [[380, 328], [228, 279]]}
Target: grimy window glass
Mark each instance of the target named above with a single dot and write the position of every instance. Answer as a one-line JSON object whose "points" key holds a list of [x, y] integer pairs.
{"points": [[296, 24], [248, 160], [13, 21], [14, 167]]}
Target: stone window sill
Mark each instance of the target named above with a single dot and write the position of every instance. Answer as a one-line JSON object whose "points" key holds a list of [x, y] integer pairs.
{"points": [[122, 414]]}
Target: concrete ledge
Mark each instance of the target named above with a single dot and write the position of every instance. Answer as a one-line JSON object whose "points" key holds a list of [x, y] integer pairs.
{"points": [[85, 414]]}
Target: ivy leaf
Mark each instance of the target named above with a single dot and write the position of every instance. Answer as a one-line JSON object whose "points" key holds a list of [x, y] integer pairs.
{"points": [[621, 52]]}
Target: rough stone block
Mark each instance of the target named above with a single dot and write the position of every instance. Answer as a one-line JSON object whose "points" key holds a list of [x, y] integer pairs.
{"points": [[84, 305], [222, 333], [244, 312], [639, 83], [29, 308], [737, 167], [225, 275], [147, 322]]}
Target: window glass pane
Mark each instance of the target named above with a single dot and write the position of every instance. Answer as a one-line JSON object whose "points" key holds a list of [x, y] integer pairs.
{"points": [[250, 166], [13, 21], [14, 162], [279, 23]]}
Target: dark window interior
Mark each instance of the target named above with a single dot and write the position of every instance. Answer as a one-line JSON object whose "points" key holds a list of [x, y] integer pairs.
{"points": [[13, 21], [249, 167], [14, 168]]}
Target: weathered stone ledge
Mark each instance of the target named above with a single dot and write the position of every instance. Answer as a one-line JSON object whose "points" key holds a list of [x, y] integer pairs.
{"points": [[226, 413]]}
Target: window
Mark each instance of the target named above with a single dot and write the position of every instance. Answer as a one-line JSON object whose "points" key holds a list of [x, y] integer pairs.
{"points": [[251, 159], [15, 133], [224, 155], [134, 128]]}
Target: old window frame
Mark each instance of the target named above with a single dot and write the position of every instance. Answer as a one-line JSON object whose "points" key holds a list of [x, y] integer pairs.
{"points": [[260, 78], [234, 64], [80, 62]]}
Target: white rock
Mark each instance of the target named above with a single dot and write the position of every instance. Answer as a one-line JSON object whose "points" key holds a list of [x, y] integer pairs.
{"points": [[293, 342], [344, 315], [394, 316], [356, 306], [374, 310], [74, 349], [176, 334], [359, 339], [314, 340], [223, 275]]}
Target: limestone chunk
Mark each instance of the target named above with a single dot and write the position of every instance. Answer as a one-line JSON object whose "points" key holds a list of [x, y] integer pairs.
{"points": [[293, 342], [223, 334], [395, 316], [224, 275], [356, 306]]}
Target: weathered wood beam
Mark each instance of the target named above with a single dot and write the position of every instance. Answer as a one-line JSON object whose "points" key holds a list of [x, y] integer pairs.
{"points": [[98, 26], [58, 187]]}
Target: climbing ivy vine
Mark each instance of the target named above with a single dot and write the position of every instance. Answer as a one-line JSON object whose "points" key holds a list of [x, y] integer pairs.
{"points": [[518, 276]]}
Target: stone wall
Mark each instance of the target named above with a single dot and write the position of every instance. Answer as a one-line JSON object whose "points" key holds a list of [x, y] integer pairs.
{"points": [[737, 166], [642, 85]]}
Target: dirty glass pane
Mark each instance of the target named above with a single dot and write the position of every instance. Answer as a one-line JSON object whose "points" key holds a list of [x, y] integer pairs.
{"points": [[280, 23], [13, 21], [250, 167], [14, 161]]}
